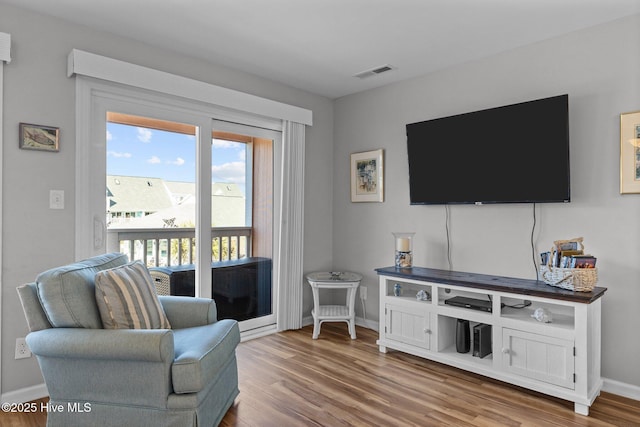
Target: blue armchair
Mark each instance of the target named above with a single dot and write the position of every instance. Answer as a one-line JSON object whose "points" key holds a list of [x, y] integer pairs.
{"points": [[183, 376]]}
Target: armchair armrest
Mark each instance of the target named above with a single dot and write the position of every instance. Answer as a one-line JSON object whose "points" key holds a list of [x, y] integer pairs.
{"points": [[129, 367], [187, 312], [147, 345]]}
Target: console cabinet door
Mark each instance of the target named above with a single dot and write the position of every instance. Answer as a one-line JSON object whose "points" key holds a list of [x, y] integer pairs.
{"points": [[540, 357], [409, 326]]}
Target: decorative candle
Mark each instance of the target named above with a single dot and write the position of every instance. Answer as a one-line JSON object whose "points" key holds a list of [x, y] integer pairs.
{"points": [[403, 244], [403, 258]]}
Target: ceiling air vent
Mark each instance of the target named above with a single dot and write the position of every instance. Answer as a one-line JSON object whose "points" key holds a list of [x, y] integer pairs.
{"points": [[378, 70]]}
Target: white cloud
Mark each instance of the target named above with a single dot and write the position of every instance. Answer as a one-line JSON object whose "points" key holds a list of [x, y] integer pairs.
{"points": [[144, 134], [109, 136], [223, 143], [154, 160], [118, 154], [229, 172], [179, 161]]}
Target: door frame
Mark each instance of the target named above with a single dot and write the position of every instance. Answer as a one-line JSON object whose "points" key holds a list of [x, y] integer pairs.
{"points": [[95, 99]]}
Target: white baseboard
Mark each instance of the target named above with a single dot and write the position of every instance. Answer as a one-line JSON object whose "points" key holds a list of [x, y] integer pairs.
{"points": [[366, 323], [621, 389], [26, 394], [257, 333]]}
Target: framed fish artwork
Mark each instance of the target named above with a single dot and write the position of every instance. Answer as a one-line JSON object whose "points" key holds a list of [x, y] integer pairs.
{"points": [[37, 137]]}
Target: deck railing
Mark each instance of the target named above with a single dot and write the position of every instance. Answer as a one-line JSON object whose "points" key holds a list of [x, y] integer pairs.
{"points": [[160, 247]]}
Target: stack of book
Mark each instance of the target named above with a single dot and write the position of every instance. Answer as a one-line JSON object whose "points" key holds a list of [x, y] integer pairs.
{"points": [[568, 254]]}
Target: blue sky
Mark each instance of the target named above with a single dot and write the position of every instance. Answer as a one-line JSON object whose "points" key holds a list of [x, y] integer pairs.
{"points": [[136, 151]]}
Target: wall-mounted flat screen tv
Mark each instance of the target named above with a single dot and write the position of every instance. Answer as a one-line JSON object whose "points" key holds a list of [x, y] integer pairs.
{"points": [[511, 154]]}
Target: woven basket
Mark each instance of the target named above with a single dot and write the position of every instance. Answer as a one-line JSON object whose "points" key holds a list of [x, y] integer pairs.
{"points": [[573, 279]]}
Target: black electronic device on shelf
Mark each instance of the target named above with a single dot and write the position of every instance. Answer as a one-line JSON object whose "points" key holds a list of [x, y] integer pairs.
{"points": [[482, 340], [463, 336], [472, 303]]}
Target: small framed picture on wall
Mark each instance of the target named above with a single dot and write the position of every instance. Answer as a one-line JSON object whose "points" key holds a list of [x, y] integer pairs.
{"points": [[367, 178], [38, 137], [630, 152]]}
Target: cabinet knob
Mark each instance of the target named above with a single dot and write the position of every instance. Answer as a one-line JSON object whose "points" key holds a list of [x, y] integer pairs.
{"points": [[427, 330], [505, 351]]}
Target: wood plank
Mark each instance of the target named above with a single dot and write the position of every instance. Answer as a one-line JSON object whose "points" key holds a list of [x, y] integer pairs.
{"points": [[289, 379], [337, 381], [262, 204], [169, 126], [24, 415]]}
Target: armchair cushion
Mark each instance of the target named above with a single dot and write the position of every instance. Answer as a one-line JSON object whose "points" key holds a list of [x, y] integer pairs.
{"points": [[67, 293], [186, 312], [36, 317], [201, 352], [127, 299]]}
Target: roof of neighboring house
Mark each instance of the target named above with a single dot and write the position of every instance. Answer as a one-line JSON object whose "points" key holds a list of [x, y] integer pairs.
{"points": [[181, 191], [225, 189], [137, 194], [217, 189], [175, 203]]}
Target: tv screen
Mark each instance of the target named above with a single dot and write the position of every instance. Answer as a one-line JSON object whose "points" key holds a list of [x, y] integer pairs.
{"points": [[512, 154]]}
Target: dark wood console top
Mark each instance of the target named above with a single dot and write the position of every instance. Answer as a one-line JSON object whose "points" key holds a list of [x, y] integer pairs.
{"points": [[493, 283]]}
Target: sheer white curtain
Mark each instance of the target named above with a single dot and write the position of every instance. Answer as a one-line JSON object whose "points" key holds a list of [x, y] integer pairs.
{"points": [[291, 236], [5, 56]]}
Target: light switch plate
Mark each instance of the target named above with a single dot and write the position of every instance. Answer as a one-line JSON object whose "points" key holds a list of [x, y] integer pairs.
{"points": [[56, 199]]}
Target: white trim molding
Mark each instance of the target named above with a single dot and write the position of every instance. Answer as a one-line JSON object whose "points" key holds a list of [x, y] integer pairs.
{"points": [[5, 57], [621, 389], [5, 47], [26, 394], [113, 70]]}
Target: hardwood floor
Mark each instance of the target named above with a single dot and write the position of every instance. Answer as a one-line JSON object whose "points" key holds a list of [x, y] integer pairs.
{"points": [[288, 379], [26, 418]]}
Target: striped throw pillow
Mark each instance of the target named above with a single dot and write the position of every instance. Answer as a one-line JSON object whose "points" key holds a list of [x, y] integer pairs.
{"points": [[127, 299]]}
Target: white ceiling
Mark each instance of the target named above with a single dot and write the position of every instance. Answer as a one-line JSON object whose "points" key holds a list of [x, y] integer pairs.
{"points": [[319, 45]]}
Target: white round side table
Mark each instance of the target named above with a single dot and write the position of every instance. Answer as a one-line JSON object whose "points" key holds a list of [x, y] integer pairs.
{"points": [[334, 313]]}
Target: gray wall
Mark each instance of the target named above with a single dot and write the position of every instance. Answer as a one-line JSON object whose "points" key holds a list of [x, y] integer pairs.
{"points": [[600, 70], [37, 90]]}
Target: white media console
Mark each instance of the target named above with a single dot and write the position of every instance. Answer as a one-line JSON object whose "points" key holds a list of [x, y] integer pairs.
{"points": [[560, 358]]}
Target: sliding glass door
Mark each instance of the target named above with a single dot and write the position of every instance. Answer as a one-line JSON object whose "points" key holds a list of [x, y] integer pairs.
{"points": [[191, 197], [242, 162]]}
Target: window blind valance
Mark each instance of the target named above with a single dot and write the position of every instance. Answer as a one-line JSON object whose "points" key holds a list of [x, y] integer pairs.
{"points": [[113, 70]]}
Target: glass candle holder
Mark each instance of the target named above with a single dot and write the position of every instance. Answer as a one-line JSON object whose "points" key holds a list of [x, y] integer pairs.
{"points": [[404, 249]]}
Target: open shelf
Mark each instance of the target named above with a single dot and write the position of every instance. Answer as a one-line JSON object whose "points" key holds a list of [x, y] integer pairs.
{"points": [[407, 291], [559, 357], [447, 331], [467, 358], [562, 316], [448, 293]]}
